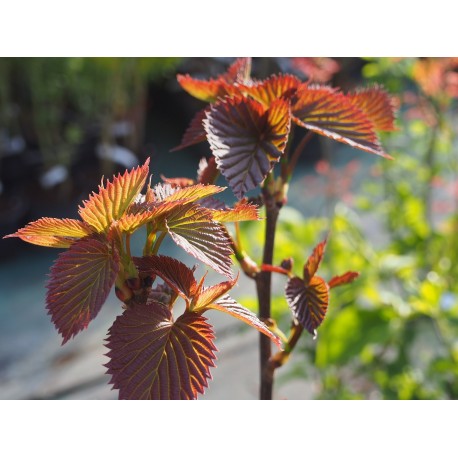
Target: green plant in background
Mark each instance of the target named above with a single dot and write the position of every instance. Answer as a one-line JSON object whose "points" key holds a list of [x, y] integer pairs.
{"points": [[394, 333]]}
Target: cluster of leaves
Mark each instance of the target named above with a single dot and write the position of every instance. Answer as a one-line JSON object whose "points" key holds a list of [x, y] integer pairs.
{"points": [[248, 125]]}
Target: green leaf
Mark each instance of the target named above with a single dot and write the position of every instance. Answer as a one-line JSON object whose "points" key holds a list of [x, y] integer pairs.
{"points": [[80, 282], [154, 357]]}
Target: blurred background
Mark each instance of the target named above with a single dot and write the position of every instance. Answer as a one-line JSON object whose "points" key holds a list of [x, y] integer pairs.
{"points": [[392, 334]]}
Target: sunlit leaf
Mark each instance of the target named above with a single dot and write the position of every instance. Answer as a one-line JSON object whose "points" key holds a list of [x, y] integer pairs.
{"points": [[314, 260], [53, 232], [308, 303], [176, 274], [153, 357], [193, 193], [228, 305], [327, 112], [112, 200], [178, 182], [239, 71], [195, 133], [191, 227], [247, 139], [79, 284], [338, 280], [242, 212], [377, 105], [207, 296], [273, 88]]}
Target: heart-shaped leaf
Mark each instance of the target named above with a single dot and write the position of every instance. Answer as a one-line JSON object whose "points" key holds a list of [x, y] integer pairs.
{"points": [[112, 200], [53, 232], [80, 282], [153, 357], [246, 139], [308, 303]]}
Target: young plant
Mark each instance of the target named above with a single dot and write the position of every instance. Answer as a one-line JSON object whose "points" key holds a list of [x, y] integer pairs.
{"points": [[249, 125]]}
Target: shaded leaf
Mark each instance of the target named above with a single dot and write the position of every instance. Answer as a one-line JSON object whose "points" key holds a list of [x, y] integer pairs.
{"points": [[176, 274], [195, 133], [53, 232], [308, 303], [228, 305], [191, 227], [273, 88], [112, 200], [207, 172], [80, 281], [377, 105], [330, 113], [338, 280], [314, 260], [246, 139], [317, 69], [153, 357]]}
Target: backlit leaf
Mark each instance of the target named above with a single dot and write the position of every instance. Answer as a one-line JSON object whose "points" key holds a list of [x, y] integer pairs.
{"points": [[247, 139], [273, 88], [239, 71], [79, 284], [228, 305], [317, 69], [313, 262], [176, 274], [242, 212], [207, 90], [112, 200], [178, 182], [308, 303], [328, 112], [195, 133], [211, 294], [153, 357], [377, 105], [193, 193], [53, 232], [338, 280], [192, 228]]}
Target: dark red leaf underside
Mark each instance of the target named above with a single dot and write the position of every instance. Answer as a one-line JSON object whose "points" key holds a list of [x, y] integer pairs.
{"points": [[246, 139], [308, 303], [79, 284], [176, 274], [377, 105], [191, 227], [273, 88], [195, 133], [153, 357], [228, 305], [313, 262], [328, 112], [338, 280], [207, 172]]}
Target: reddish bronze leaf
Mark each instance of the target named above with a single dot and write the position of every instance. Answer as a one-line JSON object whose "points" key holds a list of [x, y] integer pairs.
{"points": [[330, 113], [338, 280], [178, 182], [192, 228], [153, 357], [308, 303], [377, 105], [176, 274], [228, 305], [317, 69], [207, 172], [112, 201], [53, 232], [241, 212], [207, 296], [80, 282], [273, 88], [239, 71], [313, 262], [195, 133], [247, 139]]}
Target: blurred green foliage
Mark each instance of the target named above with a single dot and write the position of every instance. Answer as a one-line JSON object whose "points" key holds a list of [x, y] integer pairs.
{"points": [[393, 333]]}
